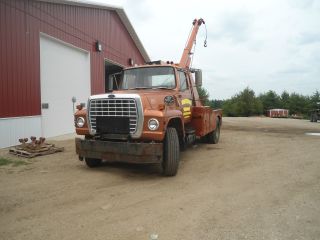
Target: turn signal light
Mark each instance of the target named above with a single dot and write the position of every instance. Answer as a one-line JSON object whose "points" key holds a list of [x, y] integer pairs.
{"points": [[79, 107]]}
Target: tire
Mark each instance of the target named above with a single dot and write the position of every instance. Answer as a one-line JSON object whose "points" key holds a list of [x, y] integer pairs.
{"points": [[311, 118], [93, 162], [171, 153], [214, 136], [314, 117]]}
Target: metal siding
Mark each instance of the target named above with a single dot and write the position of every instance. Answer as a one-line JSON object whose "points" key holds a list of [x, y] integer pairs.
{"points": [[15, 128], [3, 81], [20, 26]]}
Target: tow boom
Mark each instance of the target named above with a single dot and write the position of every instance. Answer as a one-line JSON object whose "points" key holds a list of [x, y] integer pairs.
{"points": [[186, 55]]}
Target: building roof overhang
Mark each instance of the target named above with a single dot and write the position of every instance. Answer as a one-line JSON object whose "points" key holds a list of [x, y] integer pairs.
{"points": [[119, 10]]}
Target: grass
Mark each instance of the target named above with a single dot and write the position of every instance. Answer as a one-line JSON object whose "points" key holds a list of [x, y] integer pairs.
{"points": [[15, 163], [4, 161]]}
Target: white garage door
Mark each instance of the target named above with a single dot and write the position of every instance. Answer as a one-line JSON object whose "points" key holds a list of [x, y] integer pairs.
{"points": [[65, 74]]}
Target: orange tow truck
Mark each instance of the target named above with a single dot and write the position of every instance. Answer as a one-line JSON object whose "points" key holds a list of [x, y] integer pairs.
{"points": [[153, 115]]}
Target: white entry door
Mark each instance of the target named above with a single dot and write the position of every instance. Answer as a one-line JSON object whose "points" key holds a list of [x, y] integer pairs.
{"points": [[65, 74]]}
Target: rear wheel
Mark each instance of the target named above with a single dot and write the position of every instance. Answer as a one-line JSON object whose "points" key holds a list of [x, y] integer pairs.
{"points": [[311, 117], [314, 117], [171, 153], [214, 136], [93, 162]]}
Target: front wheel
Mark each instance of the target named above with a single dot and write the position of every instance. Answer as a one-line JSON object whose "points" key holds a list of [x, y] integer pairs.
{"points": [[171, 153], [214, 136], [93, 162]]}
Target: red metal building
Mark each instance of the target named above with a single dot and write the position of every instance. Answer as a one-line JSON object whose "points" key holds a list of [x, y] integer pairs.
{"points": [[55, 52]]}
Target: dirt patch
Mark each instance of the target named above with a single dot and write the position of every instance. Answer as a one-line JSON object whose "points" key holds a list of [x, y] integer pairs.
{"points": [[260, 182]]}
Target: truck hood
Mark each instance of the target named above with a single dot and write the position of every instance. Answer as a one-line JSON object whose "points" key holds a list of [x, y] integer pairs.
{"points": [[151, 98]]}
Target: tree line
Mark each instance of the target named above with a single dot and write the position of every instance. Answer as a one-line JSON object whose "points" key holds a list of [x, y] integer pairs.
{"points": [[246, 103]]}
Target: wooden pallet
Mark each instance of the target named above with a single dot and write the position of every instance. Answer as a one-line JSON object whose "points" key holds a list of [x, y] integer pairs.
{"points": [[46, 149]]}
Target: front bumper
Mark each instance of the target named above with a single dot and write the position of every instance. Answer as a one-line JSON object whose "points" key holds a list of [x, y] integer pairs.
{"points": [[120, 151]]}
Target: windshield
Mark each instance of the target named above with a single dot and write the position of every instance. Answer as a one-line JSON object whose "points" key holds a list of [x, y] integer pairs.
{"points": [[149, 77]]}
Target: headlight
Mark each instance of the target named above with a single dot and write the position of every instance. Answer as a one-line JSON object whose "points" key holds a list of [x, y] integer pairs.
{"points": [[153, 124], [80, 122]]}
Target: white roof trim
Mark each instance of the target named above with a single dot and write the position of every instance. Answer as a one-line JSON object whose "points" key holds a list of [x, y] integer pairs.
{"points": [[119, 10]]}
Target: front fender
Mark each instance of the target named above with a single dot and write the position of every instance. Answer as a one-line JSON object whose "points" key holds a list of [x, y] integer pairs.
{"points": [[165, 118], [85, 129]]}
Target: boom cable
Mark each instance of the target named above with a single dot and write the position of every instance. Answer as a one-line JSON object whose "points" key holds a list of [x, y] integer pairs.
{"points": [[195, 43], [205, 40]]}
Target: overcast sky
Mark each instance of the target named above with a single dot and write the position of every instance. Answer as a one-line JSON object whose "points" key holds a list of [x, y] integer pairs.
{"points": [[265, 44]]}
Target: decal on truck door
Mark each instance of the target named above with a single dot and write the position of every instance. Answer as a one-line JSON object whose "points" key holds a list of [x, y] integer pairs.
{"points": [[186, 107]]}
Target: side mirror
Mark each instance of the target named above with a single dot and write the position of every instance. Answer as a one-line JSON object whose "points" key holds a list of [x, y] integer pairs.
{"points": [[109, 86], [198, 77], [114, 81]]}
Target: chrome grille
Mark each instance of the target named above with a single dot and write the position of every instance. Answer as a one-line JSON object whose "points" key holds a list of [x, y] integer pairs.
{"points": [[113, 107]]}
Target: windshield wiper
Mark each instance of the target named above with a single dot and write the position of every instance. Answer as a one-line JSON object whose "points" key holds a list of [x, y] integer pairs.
{"points": [[162, 88], [139, 88]]}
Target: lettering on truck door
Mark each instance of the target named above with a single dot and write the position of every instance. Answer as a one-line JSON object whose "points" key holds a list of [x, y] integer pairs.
{"points": [[185, 96]]}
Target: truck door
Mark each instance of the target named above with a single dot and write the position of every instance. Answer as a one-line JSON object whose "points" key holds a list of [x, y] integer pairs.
{"points": [[185, 96]]}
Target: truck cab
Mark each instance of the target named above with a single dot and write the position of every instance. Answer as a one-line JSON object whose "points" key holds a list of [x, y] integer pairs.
{"points": [[154, 113]]}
